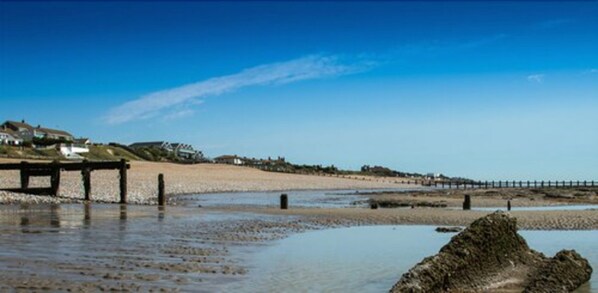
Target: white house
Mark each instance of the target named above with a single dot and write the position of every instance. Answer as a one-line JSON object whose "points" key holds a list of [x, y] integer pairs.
{"points": [[9, 137], [153, 144], [28, 132], [72, 151], [228, 159]]}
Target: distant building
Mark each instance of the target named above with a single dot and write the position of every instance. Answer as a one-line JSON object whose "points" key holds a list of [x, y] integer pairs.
{"points": [[228, 159], [163, 145], [433, 175], [28, 132], [9, 137], [82, 141], [72, 151], [184, 151]]}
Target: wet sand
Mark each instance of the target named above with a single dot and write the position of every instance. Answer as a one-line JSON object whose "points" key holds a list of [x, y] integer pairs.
{"points": [[101, 247], [519, 197]]}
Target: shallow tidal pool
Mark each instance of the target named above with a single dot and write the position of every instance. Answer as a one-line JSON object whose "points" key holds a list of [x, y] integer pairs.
{"points": [[373, 258]]}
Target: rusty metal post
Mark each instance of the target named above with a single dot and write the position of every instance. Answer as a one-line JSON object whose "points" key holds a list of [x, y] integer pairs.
{"points": [[508, 205]]}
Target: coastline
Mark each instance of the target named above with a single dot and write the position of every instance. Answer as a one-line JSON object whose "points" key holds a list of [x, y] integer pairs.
{"points": [[182, 180]]}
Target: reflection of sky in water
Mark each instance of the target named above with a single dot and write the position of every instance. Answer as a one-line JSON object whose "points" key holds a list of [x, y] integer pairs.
{"points": [[372, 259], [301, 198]]}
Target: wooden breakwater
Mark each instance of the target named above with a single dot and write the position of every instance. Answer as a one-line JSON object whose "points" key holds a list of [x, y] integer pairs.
{"points": [[53, 169], [504, 184]]}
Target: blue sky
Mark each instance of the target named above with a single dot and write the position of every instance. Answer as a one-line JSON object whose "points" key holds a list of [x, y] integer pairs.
{"points": [[487, 90]]}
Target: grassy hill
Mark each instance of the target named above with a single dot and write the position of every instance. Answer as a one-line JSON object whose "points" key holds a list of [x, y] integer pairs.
{"points": [[28, 153], [96, 153], [109, 153]]}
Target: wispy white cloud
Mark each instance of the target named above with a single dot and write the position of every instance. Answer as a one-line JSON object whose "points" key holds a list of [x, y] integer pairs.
{"points": [[537, 78], [591, 71], [175, 102]]}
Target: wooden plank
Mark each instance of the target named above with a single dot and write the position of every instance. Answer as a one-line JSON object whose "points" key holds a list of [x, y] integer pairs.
{"points": [[112, 165], [32, 190]]}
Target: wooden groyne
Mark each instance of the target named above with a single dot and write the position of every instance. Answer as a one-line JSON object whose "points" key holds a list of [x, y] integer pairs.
{"points": [[504, 184], [53, 169]]}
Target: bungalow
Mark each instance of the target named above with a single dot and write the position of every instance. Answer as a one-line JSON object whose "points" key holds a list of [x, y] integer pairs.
{"points": [[228, 159], [82, 141], [153, 144], [9, 137], [28, 132], [184, 151]]}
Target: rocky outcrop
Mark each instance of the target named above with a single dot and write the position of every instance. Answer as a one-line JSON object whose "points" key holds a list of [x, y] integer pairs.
{"points": [[565, 272], [488, 255]]}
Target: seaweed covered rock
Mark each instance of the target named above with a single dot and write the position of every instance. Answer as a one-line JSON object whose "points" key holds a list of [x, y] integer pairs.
{"points": [[490, 255], [565, 272]]}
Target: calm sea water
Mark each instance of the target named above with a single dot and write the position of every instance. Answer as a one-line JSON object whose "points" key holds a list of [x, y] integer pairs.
{"points": [[373, 258]]}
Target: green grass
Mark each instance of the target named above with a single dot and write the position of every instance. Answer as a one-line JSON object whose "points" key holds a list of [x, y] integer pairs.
{"points": [[28, 153], [109, 153], [96, 153]]}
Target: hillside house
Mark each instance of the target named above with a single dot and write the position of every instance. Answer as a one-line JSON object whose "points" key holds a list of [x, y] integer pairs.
{"points": [[9, 137], [28, 132], [228, 159], [185, 151], [163, 145]]}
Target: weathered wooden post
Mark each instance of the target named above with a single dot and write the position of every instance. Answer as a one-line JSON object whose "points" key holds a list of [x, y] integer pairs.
{"points": [[284, 201], [570, 183], [527, 183], [499, 184], [492, 183], [535, 184], [520, 184], [123, 181], [123, 212], [467, 202], [585, 184], [442, 184], [542, 184], [55, 178], [86, 174], [374, 205], [450, 183], [161, 197], [577, 183], [24, 175], [486, 184], [508, 205]]}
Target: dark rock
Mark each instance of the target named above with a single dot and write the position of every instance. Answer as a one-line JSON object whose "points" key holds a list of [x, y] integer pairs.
{"points": [[565, 272], [486, 254], [486, 247]]}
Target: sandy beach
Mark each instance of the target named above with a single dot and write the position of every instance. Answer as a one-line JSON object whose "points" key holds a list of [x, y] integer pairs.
{"points": [[181, 179], [139, 247]]}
